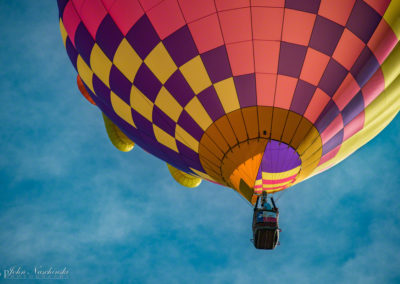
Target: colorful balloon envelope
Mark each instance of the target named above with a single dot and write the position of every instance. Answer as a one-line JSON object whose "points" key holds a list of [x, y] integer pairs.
{"points": [[256, 95]]}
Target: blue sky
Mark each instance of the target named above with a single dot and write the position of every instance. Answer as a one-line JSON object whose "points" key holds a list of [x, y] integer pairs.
{"points": [[69, 199]]}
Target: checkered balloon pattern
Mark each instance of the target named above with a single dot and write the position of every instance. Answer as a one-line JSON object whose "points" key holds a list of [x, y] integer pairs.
{"points": [[257, 95]]}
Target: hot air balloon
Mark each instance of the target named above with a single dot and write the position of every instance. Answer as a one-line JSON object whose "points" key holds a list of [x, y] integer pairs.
{"points": [[256, 95]]}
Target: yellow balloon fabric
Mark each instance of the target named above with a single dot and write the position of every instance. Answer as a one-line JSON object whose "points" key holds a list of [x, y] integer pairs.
{"points": [[183, 178], [117, 137]]}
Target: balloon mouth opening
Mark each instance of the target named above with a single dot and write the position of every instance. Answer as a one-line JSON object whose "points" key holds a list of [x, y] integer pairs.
{"points": [[262, 157], [279, 168]]}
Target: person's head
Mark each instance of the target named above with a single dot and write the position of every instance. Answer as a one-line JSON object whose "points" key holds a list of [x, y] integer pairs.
{"points": [[266, 205]]}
